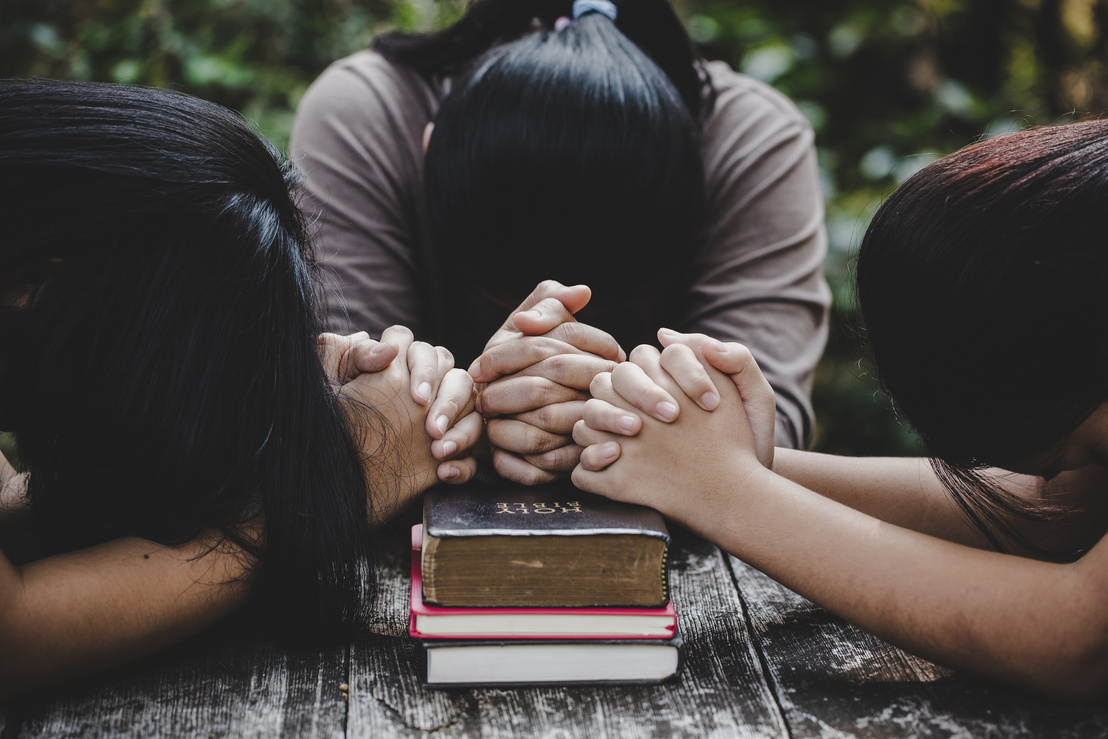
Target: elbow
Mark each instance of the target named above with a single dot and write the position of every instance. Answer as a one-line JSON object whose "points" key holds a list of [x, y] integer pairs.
{"points": [[1077, 675], [1065, 649]]}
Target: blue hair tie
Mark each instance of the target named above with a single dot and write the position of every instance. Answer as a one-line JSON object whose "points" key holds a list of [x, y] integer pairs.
{"points": [[604, 7]]}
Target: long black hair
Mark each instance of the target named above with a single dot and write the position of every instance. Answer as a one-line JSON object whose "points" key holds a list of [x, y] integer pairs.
{"points": [[159, 365], [981, 284], [568, 155]]}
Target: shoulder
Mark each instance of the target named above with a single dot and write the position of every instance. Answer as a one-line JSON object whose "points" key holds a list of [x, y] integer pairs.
{"points": [[738, 95], [749, 113], [364, 119], [365, 86]]}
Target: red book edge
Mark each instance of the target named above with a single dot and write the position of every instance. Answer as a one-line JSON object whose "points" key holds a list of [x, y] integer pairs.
{"points": [[418, 607]]}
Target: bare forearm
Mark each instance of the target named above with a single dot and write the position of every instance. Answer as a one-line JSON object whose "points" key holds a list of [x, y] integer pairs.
{"points": [[906, 492], [964, 607], [898, 490], [88, 610]]}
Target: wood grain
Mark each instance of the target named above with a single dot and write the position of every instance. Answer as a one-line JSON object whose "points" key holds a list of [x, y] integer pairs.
{"points": [[760, 661], [223, 683], [835, 680]]}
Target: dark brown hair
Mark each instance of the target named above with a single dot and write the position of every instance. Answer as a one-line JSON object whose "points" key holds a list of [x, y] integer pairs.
{"points": [[981, 282]]}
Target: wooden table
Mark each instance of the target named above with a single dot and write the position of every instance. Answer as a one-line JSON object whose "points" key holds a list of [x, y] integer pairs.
{"points": [[760, 662]]}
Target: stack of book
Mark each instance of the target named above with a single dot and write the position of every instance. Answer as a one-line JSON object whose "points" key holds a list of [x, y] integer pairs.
{"points": [[536, 585]]}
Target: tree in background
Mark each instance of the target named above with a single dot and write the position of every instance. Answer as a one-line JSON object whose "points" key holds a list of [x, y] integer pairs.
{"points": [[888, 86]]}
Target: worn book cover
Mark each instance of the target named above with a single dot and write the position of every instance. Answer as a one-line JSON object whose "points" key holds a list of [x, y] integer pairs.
{"points": [[433, 622], [502, 544]]}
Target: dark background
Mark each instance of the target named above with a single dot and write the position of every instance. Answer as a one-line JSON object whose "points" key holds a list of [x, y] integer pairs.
{"points": [[889, 86]]}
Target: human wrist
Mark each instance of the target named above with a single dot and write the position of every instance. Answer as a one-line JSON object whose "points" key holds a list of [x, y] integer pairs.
{"points": [[721, 507]]}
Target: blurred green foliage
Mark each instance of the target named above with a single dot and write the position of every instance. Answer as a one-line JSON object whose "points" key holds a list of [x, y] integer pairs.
{"points": [[889, 85]]}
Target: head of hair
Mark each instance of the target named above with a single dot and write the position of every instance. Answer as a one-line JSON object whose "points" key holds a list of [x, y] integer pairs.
{"points": [[981, 284], [649, 24], [569, 155], [158, 361]]}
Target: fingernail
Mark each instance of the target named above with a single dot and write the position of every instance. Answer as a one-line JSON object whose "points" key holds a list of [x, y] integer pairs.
{"points": [[449, 473], [627, 423], [475, 369], [442, 423], [424, 390], [532, 314], [718, 346], [667, 331], [709, 400], [666, 411], [448, 448], [609, 451]]}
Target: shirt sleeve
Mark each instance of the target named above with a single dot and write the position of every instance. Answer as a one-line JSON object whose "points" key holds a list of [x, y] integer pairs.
{"points": [[357, 139], [760, 272]]}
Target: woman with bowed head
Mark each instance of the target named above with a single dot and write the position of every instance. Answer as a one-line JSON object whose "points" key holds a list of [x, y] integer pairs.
{"points": [[571, 142], [188, 443], [981, 284]]}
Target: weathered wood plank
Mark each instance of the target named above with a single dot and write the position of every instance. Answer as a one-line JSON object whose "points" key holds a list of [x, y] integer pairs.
{"points": [[720, 692], [823, 678], [834, 680], [224, 683]]}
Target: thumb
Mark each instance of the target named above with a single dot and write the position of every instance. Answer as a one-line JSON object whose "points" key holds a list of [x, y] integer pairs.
{"points": [[574, 297], [757, 395], [736, 361], [544, 316], [550, 305]]}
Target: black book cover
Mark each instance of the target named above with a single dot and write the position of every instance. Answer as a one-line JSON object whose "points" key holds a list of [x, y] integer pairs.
{"points": [[554, 509]]}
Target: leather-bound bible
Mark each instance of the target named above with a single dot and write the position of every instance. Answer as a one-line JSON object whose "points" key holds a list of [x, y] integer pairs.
{"points": [[500, 544]]}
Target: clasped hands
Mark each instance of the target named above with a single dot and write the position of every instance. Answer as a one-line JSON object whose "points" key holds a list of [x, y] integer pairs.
{"points": [[411, 409], [676, 429], [534, 378], [558, 397], [551, 386]]}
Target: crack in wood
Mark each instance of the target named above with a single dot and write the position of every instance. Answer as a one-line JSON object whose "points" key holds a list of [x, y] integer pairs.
{"points": [[763, 661]]}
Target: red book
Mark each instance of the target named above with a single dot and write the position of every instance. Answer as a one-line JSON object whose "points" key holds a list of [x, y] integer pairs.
{"points": [[437, 622]]}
